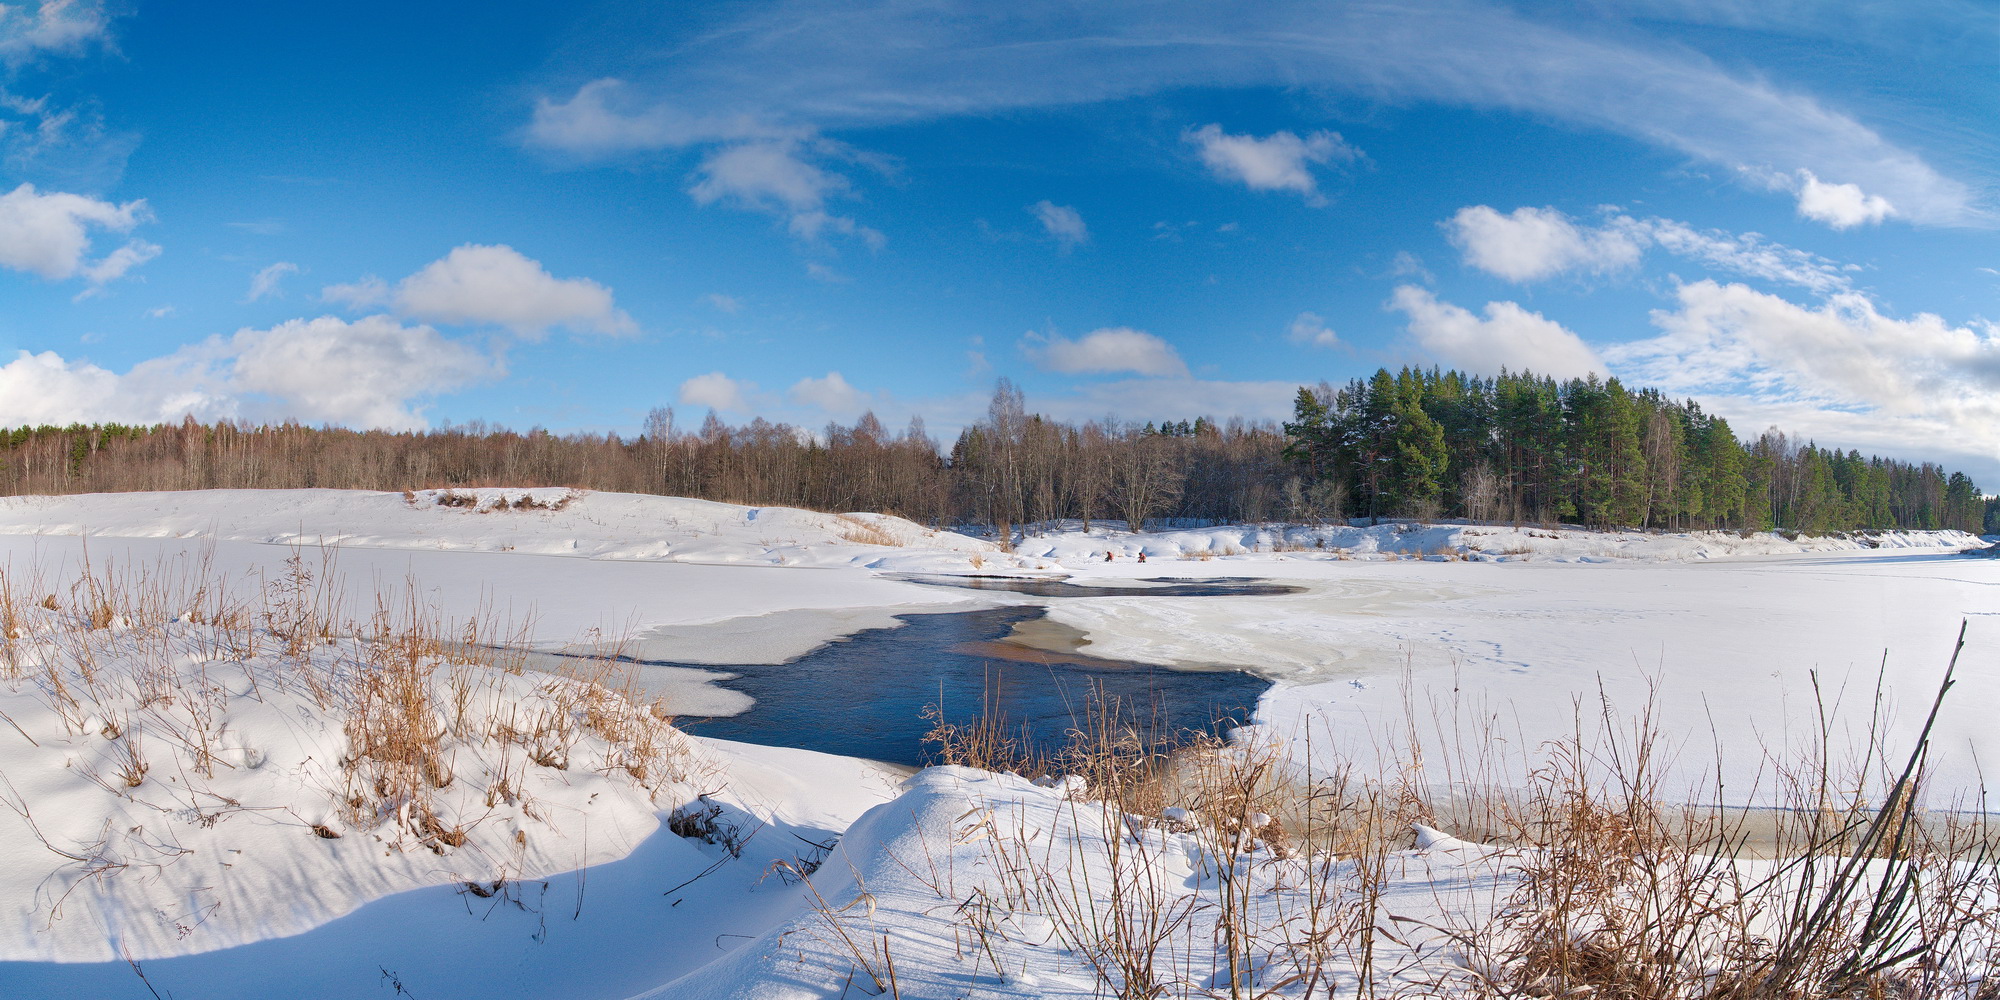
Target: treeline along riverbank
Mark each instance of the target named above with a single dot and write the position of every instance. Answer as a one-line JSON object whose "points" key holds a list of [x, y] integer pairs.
{"points": [[1413, 443]]}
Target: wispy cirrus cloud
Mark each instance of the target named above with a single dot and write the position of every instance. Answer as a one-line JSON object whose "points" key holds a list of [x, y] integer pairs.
{"points": [[1535, 244], [753, 73], [268, 281]]}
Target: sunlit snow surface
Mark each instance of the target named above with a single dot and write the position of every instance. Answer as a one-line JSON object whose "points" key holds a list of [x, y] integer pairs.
{"points": [[1503, 638]]}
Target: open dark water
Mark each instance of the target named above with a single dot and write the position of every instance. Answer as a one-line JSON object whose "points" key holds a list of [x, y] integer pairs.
{"points": [[865, 695], [1159, 587]]}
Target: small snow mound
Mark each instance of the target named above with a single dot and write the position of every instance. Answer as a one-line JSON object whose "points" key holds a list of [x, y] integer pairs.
{"points": [[1433, 839], [488, 500]]}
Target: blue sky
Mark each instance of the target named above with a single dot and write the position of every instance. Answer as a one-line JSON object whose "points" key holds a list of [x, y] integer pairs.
{"points": [[565, 215]]}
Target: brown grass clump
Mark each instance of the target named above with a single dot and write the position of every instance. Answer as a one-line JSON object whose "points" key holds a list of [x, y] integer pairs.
{"points": [[137, 660], [1595, 883], [860, 532]]}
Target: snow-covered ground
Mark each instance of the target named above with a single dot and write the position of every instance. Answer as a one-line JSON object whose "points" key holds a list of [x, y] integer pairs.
{"points": [[1492, 632], [1728, 649]]}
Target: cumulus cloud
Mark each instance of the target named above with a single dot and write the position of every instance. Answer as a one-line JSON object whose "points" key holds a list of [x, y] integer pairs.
{"points": [[715, 391], [372, 372], [1280, 161], [47, 389], [1840, 369], [1842, 206], [266, 281], [723, 303], [364, 373], [1842, 352], [496, 285], [1104, 351], [831, 394], [1310, 328], [1531, 244], [780, 176], [1062, 222], [48, 234], [1508, 337]]}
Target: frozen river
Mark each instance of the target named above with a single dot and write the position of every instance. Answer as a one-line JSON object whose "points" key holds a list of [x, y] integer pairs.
{"points": [[1726, 648]]}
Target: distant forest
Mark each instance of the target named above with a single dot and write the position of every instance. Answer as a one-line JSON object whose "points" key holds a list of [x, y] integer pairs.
{"points": [[1415, 443]]}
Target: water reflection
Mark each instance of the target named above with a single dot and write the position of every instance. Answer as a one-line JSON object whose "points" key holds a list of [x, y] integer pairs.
{"points": [[1159, 587], [864, 696]]}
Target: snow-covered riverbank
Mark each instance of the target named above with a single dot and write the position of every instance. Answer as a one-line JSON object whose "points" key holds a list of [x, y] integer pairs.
{"points": [[202, 868]]}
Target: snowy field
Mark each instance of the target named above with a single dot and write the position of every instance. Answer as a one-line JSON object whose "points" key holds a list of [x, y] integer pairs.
{"points": [[1500, 637]]}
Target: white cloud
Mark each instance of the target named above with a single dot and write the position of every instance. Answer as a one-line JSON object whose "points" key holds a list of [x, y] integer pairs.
{"points": [[715, 391], [767, 174], [1746, 254], [1280, 161], [266, 281], [46, 389], [1408, 265], [831, 394], [1508, 337], [779, 176], [161, 312], [62, 27], [363, 373], [1311, 328], [723, 303], [1840, 370], [368, 373], [1141, 399], [1529, 243], [479, 284], [820, 272], [1104, 351], [604, 117], [1842, 352], [49, 234], [1842, 206], [115, 264], [871, 65], [367, 293], [1062, 222]]}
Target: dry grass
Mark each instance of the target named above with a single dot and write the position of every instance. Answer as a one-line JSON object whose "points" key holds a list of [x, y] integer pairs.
{"points": [[1856, 886], [137, 658], [860, 532]]}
